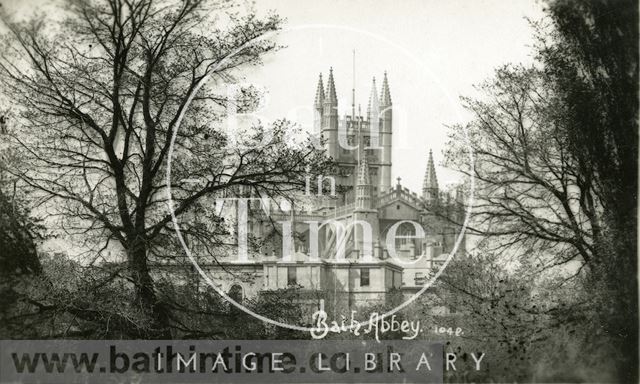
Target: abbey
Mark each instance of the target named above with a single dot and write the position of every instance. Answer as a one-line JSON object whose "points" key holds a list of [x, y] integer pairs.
{"points": [[337, 244]]}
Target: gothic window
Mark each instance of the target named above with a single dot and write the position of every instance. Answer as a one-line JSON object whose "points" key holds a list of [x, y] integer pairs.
{"points": [[292, 276], [364, 277], [345, 171], [367, 141], [350, 140], [404, 235], [235, 293]]}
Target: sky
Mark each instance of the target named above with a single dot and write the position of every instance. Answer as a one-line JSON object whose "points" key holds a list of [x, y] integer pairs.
{"points": [[434, 51]]}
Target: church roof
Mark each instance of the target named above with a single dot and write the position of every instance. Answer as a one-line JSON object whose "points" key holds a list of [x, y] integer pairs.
{"points": [[400, 194]]}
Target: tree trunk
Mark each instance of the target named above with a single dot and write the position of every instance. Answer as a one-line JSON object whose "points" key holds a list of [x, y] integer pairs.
{"points": [[145, 295]]}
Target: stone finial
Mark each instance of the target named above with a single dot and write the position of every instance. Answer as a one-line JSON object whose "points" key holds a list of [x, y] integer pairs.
{"points": [[319, 93], [330, 95], [373, 108], [430, 179], [385, 95]]}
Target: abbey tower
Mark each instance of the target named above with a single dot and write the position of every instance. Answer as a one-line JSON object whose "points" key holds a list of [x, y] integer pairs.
{"points": [[354, 136]]}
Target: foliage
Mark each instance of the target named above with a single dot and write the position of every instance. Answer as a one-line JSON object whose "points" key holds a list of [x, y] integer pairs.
{"points": [[531, 326], [592, 61], [99, 96], [555, 147]]}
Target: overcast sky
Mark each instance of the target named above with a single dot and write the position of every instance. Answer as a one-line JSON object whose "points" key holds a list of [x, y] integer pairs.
{"points": [[433, 50]]}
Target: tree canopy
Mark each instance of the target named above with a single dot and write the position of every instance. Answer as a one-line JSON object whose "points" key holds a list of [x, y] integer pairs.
{"points": [[98, 96], [555, 147]]}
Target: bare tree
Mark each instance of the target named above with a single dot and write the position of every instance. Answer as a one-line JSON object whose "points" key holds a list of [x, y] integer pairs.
{"points": [[99, 95], [591, 58], [544, 194], [529, 194], [556, 150]]}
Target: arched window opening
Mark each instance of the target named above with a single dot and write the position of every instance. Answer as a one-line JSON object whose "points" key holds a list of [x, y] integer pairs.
{"points": [[236, 293]]}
